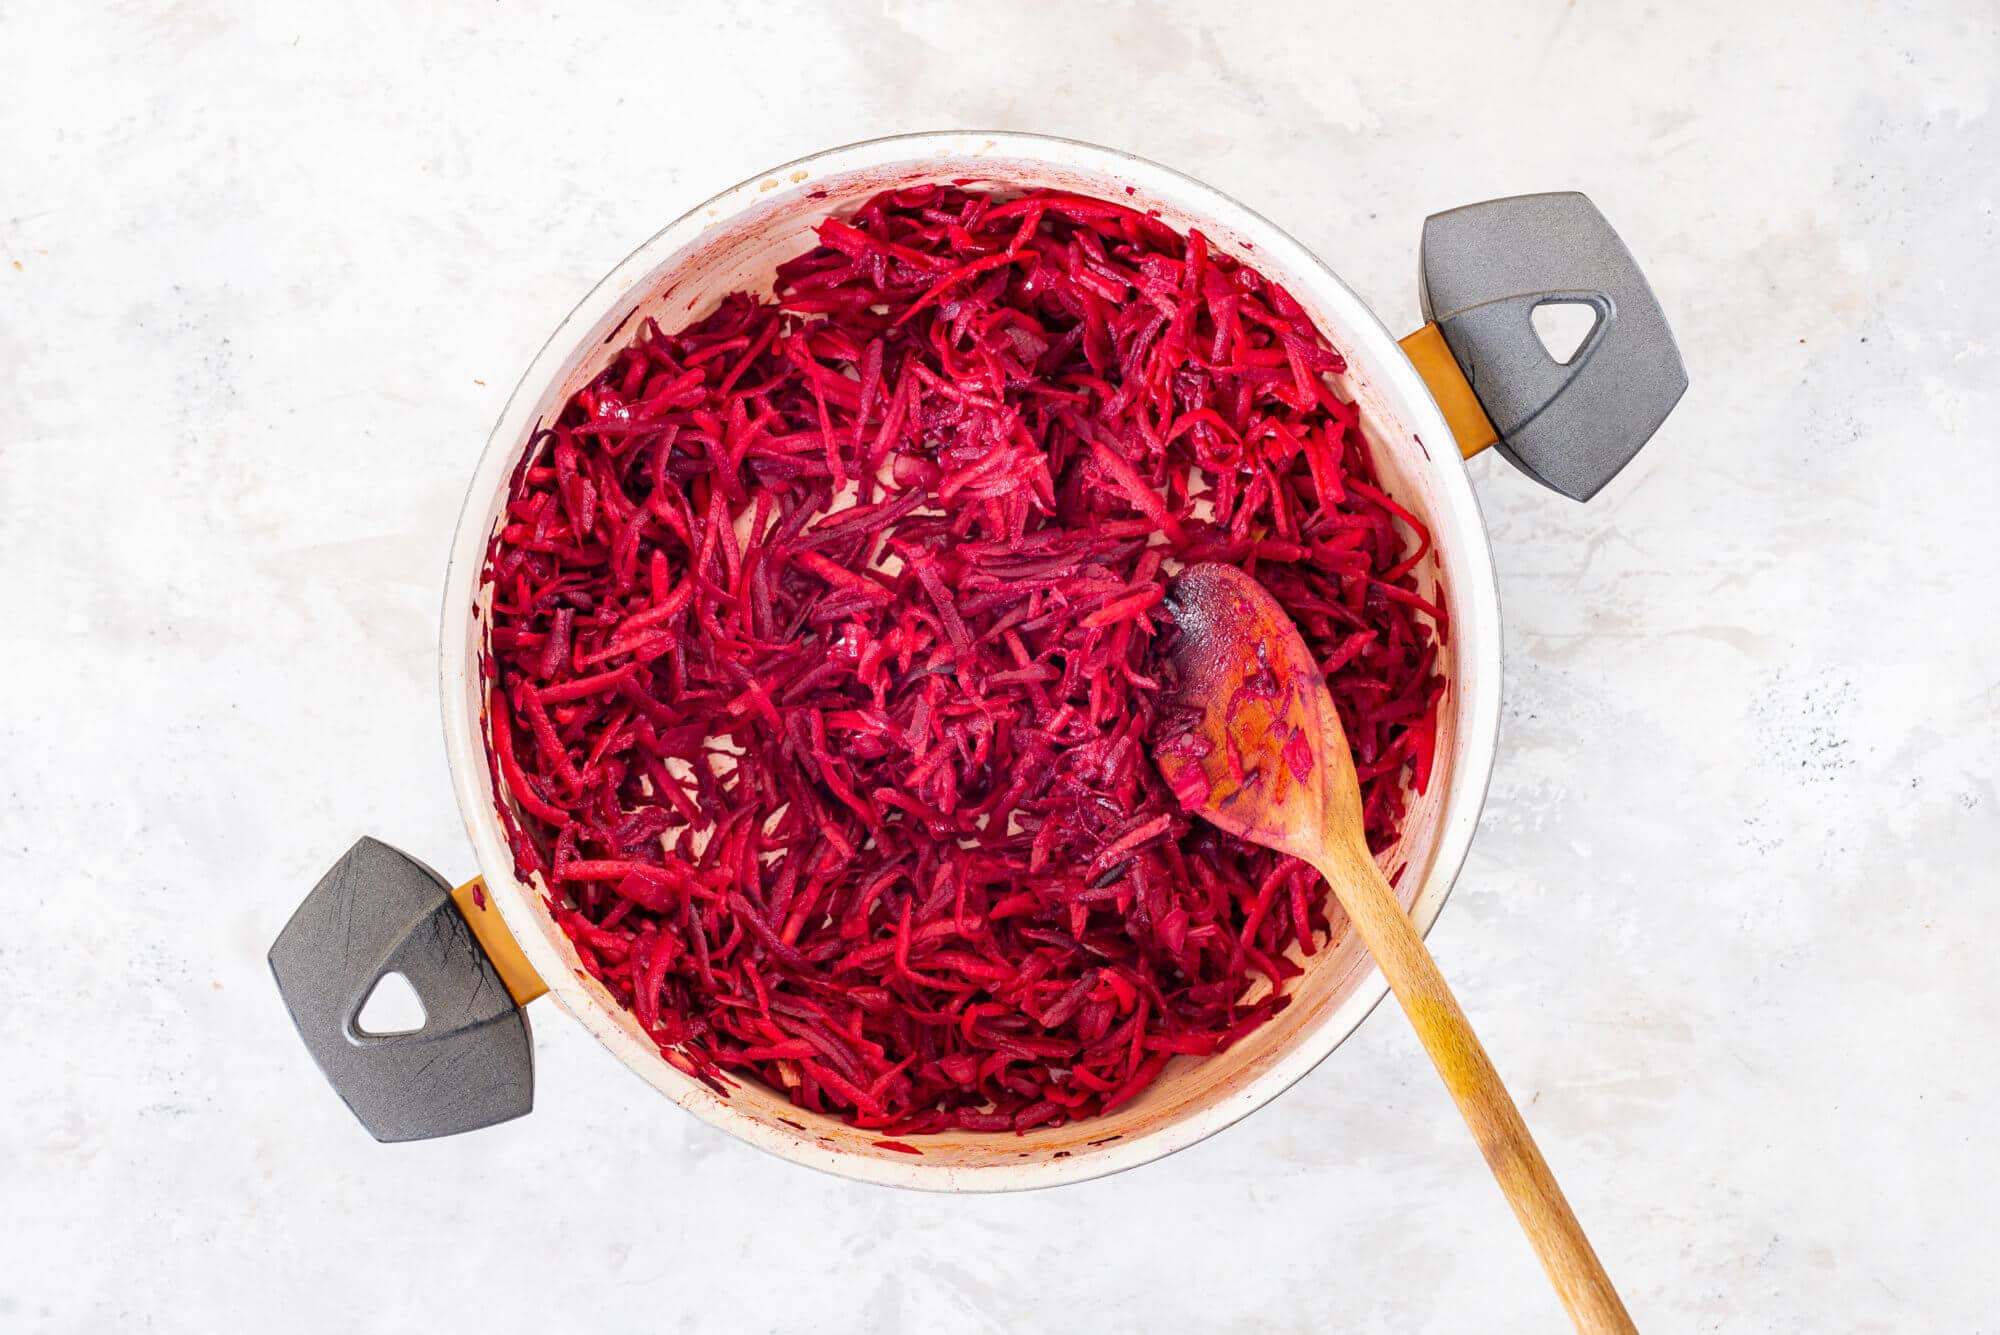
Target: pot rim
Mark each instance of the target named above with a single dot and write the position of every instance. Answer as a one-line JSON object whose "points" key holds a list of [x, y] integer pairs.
{"points": [[1476, 621]]}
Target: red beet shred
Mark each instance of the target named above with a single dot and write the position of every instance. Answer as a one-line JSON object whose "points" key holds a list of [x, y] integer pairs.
{"points": [[824, 653]]}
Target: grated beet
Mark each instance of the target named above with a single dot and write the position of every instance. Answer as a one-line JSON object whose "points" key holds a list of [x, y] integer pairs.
{"points": [[824, 654]]}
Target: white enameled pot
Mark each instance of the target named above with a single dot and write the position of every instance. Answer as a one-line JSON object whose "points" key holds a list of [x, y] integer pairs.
{"points": [[734, 242]]}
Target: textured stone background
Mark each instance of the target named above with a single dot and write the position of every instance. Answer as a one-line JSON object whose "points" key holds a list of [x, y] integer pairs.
{"points": [[266, 274]]}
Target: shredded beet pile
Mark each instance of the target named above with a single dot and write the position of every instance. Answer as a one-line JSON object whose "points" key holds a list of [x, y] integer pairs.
{"points": [[825, 647]]}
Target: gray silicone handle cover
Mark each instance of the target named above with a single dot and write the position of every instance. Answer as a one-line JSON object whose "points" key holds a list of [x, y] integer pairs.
{"points": [[380, 911], [1484, 269]]}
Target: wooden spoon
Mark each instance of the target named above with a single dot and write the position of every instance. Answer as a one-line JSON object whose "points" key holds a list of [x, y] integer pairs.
{"points": [[1252, 744]]}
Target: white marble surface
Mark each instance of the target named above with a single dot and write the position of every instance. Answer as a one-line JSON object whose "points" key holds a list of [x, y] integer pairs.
{"points": [[266, 273]]}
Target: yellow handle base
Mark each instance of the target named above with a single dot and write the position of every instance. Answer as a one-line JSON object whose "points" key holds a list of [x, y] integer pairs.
{"points": [[1432, 357], [523, 983]]}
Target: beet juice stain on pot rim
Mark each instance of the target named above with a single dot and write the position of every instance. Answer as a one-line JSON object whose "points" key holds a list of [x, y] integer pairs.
{"points": [[477, 956]]}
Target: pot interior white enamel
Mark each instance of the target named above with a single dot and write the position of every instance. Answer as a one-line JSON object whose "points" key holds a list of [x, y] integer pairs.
{"points": [[734, 242]]}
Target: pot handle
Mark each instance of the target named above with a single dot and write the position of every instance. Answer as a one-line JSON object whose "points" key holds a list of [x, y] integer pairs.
{"points": [[1572, 425], [471, 1063]]}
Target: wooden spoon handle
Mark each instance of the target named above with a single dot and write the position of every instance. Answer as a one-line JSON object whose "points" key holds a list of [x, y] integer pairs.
{"points": [[1482, 1099]]}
